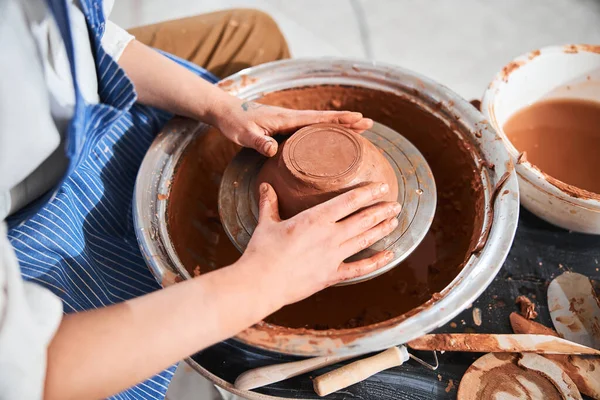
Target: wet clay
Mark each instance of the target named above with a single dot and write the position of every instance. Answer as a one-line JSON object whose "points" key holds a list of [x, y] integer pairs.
{"points": [[192, 211], [202, 245], [320, 162], [527, 307], [561, 137], [522, 325]]}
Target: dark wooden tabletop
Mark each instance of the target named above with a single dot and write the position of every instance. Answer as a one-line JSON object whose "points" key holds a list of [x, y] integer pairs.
{"points": [[539, 253]]}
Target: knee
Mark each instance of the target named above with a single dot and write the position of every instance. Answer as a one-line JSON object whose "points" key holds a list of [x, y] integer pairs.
{"points": [[263, 19], [268, 25]]}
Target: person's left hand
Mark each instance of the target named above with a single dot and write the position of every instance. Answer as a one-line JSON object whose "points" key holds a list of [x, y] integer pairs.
{"points": [[252, 124]]}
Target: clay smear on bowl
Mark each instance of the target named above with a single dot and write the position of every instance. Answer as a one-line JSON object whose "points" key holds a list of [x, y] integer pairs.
{"points": [[561, 138], [200, 241], [576, 48]]}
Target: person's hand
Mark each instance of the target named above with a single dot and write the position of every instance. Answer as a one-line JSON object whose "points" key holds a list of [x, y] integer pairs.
{"points": [[251, 124], [306, 253]]}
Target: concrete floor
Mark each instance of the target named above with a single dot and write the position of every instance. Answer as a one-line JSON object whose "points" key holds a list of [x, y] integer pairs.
{"points": [[461, 44]]}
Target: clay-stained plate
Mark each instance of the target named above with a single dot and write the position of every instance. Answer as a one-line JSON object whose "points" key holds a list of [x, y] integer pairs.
{"points": [[552, 372], [574, 309], [509, 376], [583, 370], [417, 195]]}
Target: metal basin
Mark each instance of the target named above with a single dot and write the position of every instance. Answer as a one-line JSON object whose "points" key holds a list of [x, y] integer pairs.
{"points": [[500, 206]]}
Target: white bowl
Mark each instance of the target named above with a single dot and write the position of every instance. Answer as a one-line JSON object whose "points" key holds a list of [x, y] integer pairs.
{"points": [[545, 74]]}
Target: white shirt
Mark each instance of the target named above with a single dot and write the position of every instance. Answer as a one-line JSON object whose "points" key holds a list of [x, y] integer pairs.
{"points": [[36, 103], [38, 61]]}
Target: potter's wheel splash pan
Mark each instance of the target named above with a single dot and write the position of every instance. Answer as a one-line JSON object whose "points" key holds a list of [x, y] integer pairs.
{"points": [[495, 169], [416, 193]]}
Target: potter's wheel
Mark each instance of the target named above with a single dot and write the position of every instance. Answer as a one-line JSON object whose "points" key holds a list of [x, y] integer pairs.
{"points": [[238, 208]]}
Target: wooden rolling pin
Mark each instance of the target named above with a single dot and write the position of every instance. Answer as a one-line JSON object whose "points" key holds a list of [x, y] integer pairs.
{"points": [[469, 342], [263, 376], [362, 369], [359, 370]]}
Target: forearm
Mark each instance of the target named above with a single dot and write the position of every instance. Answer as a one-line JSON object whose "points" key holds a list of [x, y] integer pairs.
{"points": [[162, 83], [98, 353]]}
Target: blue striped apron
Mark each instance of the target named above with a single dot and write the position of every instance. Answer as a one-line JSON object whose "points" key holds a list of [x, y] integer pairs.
{"points": [[78, 240]]}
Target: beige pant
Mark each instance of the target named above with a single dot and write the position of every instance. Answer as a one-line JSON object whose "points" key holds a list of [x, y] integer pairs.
{"points": [[222, 42]]}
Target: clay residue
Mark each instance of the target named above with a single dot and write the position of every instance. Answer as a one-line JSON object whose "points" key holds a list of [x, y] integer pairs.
{"points": [[429, 269], [450, 386], [490, 211], [575, 304], [551, 371], [582, 311], [547, 345], [197, 271], [495, 376], [456, 342], [514, 381], [570, 322], [170, 278], [522, 157], [570, 189], [571, 49], [527, 307], [487, 164], [583, 371], [246, 80], [226, 83], [561, 138], [592, 48], [509, 69], [576, 48], [534, 54], [477, 316]]}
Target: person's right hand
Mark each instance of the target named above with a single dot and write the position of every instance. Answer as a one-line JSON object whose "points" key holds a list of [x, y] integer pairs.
{"points": [[306, 253]]}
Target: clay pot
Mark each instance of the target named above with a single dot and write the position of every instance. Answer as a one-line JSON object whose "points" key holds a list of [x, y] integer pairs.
{"points": [[320, 162]]}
